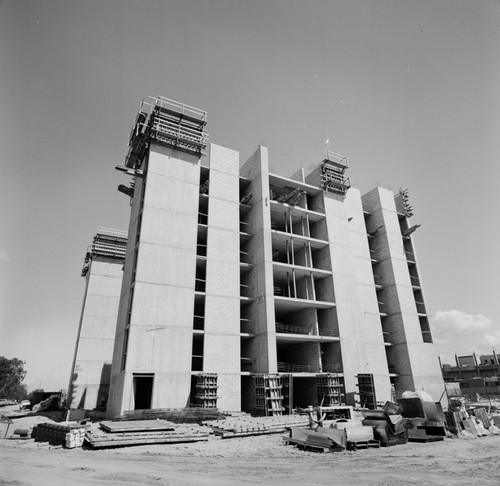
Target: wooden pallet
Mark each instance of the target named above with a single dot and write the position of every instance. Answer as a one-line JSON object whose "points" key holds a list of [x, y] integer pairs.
{"points": [[313, 448], [368, 444]]}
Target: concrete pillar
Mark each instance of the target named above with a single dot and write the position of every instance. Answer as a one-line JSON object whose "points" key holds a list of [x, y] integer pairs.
{"points": [[159, 281], [222, 353]]}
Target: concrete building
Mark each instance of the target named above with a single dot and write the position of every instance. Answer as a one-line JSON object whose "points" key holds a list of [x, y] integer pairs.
{"points": [[470, 367], [234, 271], [91, 369]]}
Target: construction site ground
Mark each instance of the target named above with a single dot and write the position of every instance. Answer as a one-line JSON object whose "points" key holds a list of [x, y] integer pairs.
{"points": [[251, 460]]}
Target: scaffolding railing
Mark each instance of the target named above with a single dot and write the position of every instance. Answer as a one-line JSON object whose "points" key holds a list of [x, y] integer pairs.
{"points": [[167, 122], [332, 368], [178, 107], [287, 329], [342, 160], [297, 368]]}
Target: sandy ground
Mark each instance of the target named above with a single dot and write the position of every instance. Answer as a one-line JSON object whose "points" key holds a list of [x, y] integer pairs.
{"points": [[251, 460]]}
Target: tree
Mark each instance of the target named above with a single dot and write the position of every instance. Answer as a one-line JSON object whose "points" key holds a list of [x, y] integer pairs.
{"points": [[12, 373]]}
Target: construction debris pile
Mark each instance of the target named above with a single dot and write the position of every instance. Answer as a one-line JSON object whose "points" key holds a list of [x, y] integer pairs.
{"points": [[140, 432], [474, 421], [416, 418]]}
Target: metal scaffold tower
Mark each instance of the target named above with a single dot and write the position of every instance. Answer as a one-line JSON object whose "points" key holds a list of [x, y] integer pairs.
{"points": [[333, 169], [167, 122]]}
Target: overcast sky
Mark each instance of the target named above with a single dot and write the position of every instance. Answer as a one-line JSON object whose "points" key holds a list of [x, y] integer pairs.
{"points": [[409, 90]]}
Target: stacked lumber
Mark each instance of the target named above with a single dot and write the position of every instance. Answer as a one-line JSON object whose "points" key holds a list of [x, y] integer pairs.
{"points": [[136, 426], [228, 429], [120, 434], [188, 415], [244, 425], [69, 436]]}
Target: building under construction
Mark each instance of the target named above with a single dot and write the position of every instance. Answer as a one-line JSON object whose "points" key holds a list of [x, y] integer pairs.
{"points": [[246, 290], [91, 370]]}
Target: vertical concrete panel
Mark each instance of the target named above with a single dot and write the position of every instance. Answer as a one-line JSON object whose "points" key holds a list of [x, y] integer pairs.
{"points": [[414, 361], [262, 349], [160, 336], [90, 376], [360, 331], [117, 383], [221, 352]]}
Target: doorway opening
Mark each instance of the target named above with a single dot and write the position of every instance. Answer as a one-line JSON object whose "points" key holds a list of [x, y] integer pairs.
{"points": [[143, 391]]}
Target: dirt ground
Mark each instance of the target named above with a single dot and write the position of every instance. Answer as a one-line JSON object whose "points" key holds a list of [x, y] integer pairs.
{"points": [[251, 460]]}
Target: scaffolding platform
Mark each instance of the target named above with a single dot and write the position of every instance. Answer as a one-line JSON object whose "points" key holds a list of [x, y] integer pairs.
{"points": [[333, 169], [169, 123]]}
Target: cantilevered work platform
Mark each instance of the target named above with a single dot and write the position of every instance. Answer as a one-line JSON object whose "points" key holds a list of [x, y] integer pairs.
{"points": [[170, 123], [333, 169], [108, 243]]}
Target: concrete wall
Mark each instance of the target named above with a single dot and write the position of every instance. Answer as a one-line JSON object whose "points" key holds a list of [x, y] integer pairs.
{"points": [[262, 348], [222, 301], [90, 376], [414, 360], [161, 321], [117, 389], [360, 331]]}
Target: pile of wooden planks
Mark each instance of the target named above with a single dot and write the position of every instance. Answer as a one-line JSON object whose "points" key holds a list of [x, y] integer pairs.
{"points": [[136, 426], [186, 415], [140, 432], [245, 425]]}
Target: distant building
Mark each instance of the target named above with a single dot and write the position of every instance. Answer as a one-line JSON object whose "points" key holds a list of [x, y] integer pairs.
{"points": [[472, 372], [466, 360], [103, 272]]}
